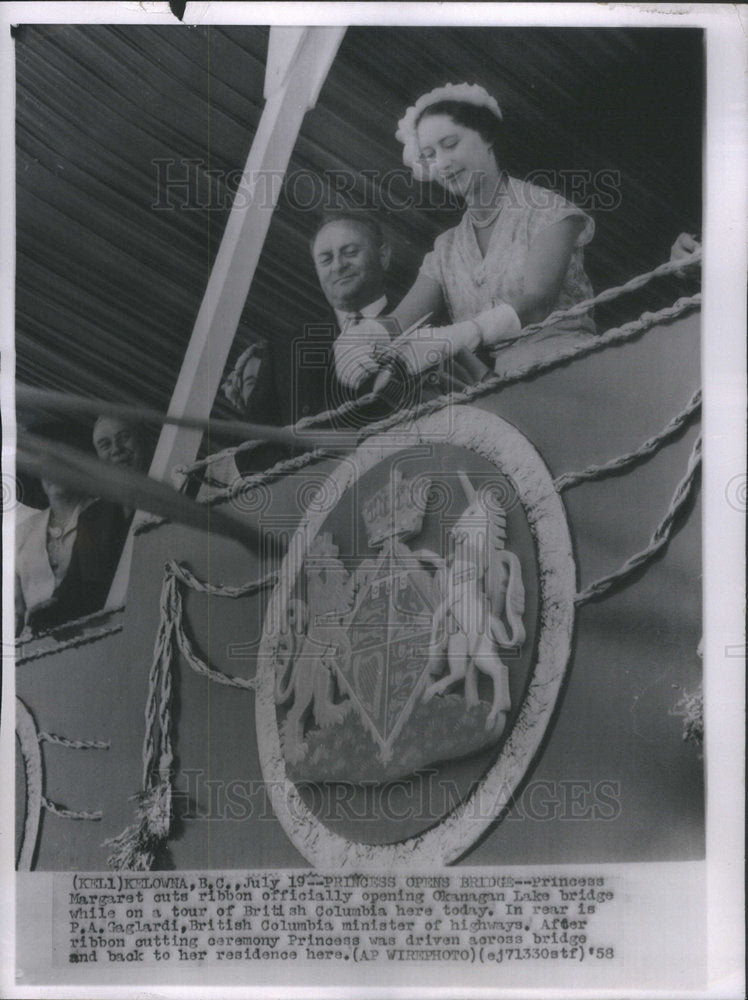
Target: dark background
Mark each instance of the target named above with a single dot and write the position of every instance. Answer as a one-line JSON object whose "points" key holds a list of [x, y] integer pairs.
{"points": [[108, 287]]}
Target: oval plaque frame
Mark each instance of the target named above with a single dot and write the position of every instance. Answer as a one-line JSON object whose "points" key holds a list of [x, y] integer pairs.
{"points": [[28, 739], [499, 442]]}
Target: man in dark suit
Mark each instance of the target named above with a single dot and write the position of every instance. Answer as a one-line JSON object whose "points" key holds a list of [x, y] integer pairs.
{"points": [[101, 532], [283, 382]]}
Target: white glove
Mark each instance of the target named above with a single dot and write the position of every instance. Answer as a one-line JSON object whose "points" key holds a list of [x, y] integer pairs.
{"points": [[498, 324], [426, 347], [683, 248], [355, 348]]}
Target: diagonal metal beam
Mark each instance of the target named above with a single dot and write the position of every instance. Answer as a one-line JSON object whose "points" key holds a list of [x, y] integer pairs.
{"points": [[298, 63]]}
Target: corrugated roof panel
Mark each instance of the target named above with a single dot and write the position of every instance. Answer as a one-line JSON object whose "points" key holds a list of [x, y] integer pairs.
{"points": [[109, 285]]}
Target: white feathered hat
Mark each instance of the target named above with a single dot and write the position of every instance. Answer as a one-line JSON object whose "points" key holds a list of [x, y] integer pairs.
{"points": [[466, 93]]}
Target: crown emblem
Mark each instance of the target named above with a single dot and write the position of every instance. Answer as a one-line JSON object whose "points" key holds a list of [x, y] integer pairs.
{"points": [[397, 509]]}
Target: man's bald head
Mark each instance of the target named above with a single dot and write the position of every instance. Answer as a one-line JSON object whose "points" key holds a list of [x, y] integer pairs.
{"points": [[350, 256]]}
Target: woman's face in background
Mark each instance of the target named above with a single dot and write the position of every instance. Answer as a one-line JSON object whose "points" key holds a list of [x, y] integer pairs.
{"points": [[461, 159], [57, 494]]}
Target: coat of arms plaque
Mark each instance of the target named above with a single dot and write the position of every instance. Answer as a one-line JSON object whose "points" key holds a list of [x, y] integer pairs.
{"points": [[423, 618]]}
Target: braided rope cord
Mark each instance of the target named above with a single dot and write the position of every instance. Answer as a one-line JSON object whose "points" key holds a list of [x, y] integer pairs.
{"points": [[612, 337], [162, 651], [648, 448], [632, 285], [63, 741], [166, 758], [171, 632], [136, 846], [573, 312], [242, 485], [64, 813], [187, 577], [659, 540], [195, 662], [74, 643]]}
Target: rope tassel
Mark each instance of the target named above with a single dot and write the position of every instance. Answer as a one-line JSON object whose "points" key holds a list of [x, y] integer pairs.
{"points": [[137, 846]]}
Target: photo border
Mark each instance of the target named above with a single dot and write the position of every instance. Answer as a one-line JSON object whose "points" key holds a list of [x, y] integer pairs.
{"points": [[723, 358]]}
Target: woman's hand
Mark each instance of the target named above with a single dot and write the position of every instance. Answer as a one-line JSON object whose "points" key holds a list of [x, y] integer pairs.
{"points": [[427, 347], [684, 248]]}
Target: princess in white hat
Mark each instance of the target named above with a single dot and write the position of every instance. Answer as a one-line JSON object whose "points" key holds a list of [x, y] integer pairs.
{"points": [[515, 257]]}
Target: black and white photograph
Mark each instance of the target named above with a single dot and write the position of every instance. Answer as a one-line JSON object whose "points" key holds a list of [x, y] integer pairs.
{"points": [[373, 391]]}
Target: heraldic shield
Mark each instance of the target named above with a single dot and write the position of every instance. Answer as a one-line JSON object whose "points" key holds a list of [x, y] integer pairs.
{"points": [[421, 625]]}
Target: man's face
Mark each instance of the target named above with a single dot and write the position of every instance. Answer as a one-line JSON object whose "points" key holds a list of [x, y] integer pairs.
{"points": [[118, 443], [349, 266]]}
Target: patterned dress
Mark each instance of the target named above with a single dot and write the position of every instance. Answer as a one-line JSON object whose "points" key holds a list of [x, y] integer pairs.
{"points": [[472, 283]]}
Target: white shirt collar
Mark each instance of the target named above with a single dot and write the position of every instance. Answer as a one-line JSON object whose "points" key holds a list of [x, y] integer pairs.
{"points": [[373, 309]]}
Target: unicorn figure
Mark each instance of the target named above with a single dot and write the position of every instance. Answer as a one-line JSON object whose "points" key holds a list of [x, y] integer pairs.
{"points": [[483, 600]]}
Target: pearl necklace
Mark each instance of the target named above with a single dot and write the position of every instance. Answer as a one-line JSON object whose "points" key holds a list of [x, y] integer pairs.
{"points": [[489, 221], [57, 528], [56, 531]]}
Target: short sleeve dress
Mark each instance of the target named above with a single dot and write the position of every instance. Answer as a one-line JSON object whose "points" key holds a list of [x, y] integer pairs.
{"points": [[472, 283]]}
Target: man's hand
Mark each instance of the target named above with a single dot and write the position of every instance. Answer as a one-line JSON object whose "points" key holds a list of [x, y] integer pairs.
{"points": [[355, 351]]}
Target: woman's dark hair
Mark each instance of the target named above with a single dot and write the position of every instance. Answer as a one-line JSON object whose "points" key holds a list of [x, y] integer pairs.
{"points": [[473, 116]]}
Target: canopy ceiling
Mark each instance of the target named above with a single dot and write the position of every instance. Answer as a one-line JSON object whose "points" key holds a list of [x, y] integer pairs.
{"points": [[111, 267]]}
